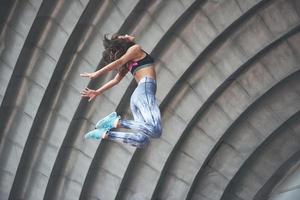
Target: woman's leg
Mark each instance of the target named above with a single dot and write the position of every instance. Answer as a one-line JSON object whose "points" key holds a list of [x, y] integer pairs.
{"points": [[134, 139], [139, 140], [147, 118], [145, 106]]}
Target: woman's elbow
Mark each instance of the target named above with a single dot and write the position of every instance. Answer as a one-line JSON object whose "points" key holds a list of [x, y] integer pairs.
{"points": [[116, 81], [121, 61]]}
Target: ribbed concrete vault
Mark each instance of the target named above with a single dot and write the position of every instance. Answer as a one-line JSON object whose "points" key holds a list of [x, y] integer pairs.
{"points": [[228, 88]]}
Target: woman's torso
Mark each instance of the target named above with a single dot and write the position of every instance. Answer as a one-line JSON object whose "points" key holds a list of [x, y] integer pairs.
{"points": [[147, 71], [146, 68]]}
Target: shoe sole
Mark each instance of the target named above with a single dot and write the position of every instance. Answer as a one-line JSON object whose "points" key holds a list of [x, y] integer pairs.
{"points": [[99, 132], [99, 123]]}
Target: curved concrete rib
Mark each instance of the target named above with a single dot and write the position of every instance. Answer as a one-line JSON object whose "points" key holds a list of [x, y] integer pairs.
{"points": [[137, 16], [26, 87], [7, 39], [181, 166], [210, 101], [285, 171], [160, 47], [221, 38], [74, 149], [280, 66], [209, 165], [7, 10], [37, 140], [281, 136], [212, 46], [252, 60], [289, 186], [67, 89], [12, 38], [30, 75]]}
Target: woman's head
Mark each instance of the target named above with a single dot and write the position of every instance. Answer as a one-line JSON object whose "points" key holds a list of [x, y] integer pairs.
{"points": [[126, 37], [116, 46]]}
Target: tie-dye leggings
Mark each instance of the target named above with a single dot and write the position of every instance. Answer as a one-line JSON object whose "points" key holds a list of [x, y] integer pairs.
{"points": [[146, 113]]}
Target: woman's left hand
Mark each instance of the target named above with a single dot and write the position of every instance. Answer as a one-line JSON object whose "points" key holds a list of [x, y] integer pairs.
{"points": [[89, 75], [91, 94]]}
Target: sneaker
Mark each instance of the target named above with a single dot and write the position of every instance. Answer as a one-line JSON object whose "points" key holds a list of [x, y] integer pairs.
{"points": [[95, 134], [107, 122]]}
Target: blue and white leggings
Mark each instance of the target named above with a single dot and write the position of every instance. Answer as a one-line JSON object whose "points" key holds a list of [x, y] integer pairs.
{"points": [[146, 113]]}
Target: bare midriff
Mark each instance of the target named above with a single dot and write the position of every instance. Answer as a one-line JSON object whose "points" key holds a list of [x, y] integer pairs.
{"points": [[148, 71]]}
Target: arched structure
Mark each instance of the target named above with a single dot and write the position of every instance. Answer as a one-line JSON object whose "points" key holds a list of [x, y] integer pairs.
{"points": [[228, 88]]}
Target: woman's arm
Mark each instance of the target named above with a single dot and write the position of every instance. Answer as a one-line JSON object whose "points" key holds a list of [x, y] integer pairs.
{"points": [[92, 94], [131, 54], [110, 84]]}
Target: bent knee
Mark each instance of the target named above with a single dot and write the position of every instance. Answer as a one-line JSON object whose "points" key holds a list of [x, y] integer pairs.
{"points": [[157, 132], [143, 139]]}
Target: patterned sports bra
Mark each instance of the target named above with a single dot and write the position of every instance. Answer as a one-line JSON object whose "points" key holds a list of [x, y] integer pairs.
{"points": [[145, 62]]}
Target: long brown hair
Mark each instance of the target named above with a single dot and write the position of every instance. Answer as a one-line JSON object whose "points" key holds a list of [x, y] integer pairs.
{"points": [[115, 48]]}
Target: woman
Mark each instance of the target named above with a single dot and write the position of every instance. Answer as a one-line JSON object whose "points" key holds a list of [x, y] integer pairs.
{"points": [[124, 55]]}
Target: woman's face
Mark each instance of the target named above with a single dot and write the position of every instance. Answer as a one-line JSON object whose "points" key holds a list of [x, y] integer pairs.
{"points": [[126, 37]]}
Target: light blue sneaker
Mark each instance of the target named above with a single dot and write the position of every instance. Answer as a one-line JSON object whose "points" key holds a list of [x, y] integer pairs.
{"points": [[95, 134], [107, 122]]}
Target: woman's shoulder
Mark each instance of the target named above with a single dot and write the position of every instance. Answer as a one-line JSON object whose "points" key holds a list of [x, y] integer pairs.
{"points": [[135, 50], [135, 47]]}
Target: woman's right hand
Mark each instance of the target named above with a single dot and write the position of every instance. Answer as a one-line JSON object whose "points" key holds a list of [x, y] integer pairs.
{"points": [[88, 75], [91, 94]]}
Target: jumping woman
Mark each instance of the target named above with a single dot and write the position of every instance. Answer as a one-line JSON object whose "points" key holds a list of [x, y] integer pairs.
{"points": [[123, 54]]}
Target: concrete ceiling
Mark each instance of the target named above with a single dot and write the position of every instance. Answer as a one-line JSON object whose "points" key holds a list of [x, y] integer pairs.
{"points": [[228, 89]]}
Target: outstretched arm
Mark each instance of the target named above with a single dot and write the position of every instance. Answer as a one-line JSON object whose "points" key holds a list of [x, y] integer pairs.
{"points": [[131, 54], [92, 94]]}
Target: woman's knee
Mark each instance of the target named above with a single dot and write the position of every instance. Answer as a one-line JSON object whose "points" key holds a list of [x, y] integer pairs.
{"points": [[143, 139], [156, 133]]}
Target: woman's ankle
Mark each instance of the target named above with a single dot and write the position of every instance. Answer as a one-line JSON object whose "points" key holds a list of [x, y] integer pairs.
{"points": [[116, 123], [105, 136]]}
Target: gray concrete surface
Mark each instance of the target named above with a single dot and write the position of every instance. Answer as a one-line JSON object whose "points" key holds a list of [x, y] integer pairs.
{"points": [[228, 88], [291, 180]]}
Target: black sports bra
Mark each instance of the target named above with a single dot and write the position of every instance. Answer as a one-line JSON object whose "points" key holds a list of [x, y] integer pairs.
{"points": [[145, 62]]}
